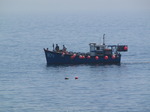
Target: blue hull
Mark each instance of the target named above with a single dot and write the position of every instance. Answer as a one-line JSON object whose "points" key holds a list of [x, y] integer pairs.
{"points": [[59, 58]]}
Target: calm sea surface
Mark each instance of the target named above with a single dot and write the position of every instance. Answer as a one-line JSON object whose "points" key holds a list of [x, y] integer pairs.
{"points": [[27, 84]]}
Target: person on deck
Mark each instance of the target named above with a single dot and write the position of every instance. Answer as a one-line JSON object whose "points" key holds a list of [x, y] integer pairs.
{"points": [[64, 48], [57, 48]]}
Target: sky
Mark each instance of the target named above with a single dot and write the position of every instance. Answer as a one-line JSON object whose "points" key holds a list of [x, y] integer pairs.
{"points": [[61, 6]]}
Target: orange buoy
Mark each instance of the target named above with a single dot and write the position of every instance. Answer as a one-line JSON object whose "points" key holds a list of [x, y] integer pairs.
{"points": [[106, 57], [96, 57]]}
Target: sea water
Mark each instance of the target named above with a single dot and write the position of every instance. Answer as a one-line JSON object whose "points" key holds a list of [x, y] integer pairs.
{"points": [[27, 84]]}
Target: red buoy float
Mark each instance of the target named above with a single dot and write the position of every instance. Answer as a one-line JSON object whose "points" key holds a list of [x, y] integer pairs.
{"points": [[113, 56], [83, 57], [80, 56], [63, 54], [96, 57], [72, 57], [88, 57], [125, 48], [106, 57], [76, 77]]}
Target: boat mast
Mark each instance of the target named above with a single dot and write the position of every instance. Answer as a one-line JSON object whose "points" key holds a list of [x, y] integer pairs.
{"points": [[103, 39]]}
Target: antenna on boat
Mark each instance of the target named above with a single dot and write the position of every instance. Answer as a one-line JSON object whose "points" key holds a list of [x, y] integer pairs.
{"points": [[103, 39]]}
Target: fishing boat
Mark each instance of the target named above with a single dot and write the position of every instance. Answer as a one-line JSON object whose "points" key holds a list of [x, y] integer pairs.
{"points": [[98, 54]]}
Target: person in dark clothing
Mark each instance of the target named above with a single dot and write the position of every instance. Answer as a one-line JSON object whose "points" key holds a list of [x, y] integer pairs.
{"points": [[57, 48], [53, 46]]}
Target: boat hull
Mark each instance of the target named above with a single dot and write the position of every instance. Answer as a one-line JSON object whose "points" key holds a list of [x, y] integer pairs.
{"points": [[53, 58]]}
